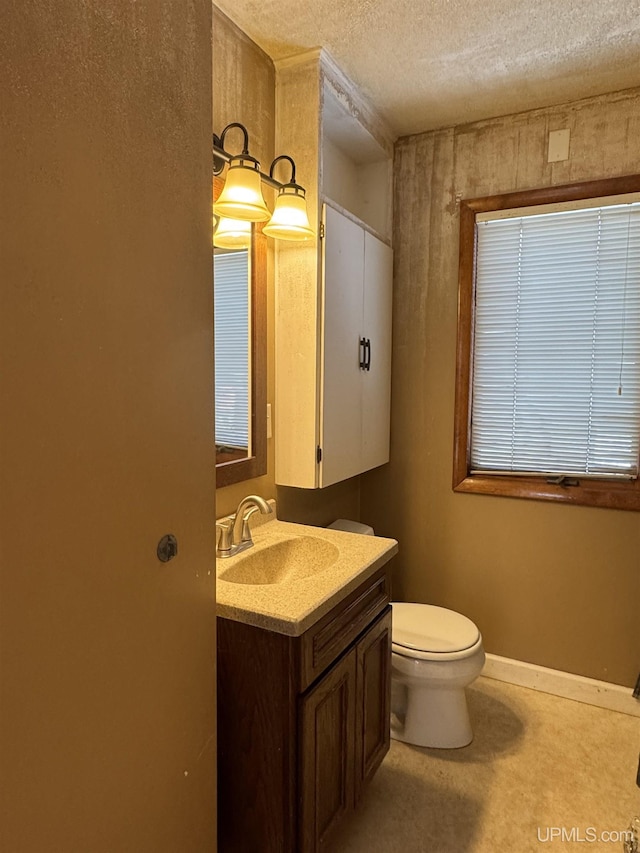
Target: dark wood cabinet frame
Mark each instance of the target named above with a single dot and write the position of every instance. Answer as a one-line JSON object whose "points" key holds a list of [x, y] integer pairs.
{"points": [[588, 492]]}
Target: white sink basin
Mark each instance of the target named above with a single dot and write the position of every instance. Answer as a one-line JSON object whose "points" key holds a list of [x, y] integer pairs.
{"points": [[284, 560]]}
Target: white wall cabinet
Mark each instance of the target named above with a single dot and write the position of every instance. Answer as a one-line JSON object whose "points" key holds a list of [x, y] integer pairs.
{"points": [[333, 294], [356, 349], [333, 383]]}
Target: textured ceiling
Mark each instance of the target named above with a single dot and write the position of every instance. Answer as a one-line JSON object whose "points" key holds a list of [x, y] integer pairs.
{"points": [[435, 63]]}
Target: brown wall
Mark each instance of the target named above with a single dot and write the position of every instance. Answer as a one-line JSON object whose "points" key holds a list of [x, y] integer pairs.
{"points": [[244, 90], [107, 717], [554, 585]]}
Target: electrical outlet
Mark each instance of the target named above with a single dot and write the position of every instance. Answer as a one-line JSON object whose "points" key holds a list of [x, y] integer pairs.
{"points": [[558, 145], [269, 430]]}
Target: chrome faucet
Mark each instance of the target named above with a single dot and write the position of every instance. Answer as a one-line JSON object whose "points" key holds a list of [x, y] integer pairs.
{"points": [[235, 533]]}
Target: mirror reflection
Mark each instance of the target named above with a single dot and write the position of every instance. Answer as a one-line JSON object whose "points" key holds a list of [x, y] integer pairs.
{"points": [[240, 312], [232, 301]]}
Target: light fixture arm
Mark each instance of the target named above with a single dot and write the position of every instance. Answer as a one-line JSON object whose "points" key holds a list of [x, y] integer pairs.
{"points": [[245, 147], [293, 169], [221, 157]]}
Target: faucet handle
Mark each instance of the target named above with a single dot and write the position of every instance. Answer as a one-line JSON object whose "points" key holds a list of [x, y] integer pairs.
{"points": [[224, 541]]}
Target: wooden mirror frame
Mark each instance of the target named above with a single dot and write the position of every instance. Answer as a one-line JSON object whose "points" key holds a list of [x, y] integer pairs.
{"points": [[237, 470]]}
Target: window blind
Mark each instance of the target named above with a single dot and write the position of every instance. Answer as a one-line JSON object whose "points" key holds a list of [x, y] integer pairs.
{"points": [[556, 354], [231, 323]]}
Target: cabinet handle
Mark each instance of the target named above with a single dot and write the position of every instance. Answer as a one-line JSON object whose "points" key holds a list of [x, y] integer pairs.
{"points": [[367, 348], [363, 353]]}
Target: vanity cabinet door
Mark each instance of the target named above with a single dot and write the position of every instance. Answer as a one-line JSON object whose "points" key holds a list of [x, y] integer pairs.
{"points": [[373, 690], [344, 733], [327, 750]]}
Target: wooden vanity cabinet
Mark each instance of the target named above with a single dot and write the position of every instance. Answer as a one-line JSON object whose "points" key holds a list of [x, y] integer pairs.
{"points": [[303, 723]]}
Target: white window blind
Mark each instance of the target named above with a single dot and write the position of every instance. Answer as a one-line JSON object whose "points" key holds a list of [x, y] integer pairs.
{"points": [[231, 320], [556, 361]]}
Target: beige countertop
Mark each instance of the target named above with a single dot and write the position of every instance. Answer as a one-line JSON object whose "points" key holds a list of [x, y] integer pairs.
{"points": [[293, 605]]}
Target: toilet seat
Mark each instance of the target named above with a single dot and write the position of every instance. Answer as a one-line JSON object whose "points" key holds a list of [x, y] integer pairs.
{"points": [[427, 632]]}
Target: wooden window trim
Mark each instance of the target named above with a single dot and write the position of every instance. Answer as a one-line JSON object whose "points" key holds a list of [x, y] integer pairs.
{"points": [[597, 493]]}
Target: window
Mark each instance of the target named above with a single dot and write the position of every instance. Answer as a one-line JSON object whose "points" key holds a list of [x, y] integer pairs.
{"points": [[548, 374]]}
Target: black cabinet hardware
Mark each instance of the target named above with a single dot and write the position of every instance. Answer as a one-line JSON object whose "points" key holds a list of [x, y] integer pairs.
{"points": [[363, 353]]}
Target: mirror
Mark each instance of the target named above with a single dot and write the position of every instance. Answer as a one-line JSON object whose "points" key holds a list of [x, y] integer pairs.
{"points": [[240, 303]]}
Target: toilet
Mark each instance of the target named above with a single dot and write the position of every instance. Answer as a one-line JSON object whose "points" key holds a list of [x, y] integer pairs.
{"points": [[436, 653]]}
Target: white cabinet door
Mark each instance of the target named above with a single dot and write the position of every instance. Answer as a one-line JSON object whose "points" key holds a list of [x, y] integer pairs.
{"points": [[356, 402], [376, 328], [326, 363], [341, 401]]}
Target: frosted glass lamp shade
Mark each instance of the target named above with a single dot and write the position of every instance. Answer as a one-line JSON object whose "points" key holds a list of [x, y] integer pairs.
{"points": [[290, 220], [242, 196], [232, 234]]}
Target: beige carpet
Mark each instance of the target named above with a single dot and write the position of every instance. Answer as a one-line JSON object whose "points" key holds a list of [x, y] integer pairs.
{"points": [[542, 773]]}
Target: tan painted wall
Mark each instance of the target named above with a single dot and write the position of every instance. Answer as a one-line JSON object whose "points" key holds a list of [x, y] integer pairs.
{"points": [[244, 91], [107, 717], [320, 506], [554, 585]]}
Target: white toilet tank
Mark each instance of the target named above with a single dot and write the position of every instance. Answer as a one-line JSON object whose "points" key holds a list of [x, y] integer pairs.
{"points": [[351, 526]]}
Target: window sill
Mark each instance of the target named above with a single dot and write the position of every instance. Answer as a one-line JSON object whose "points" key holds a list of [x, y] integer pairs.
{"points": [[595, 493]]}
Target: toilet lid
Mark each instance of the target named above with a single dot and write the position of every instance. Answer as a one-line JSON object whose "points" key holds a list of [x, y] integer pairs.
{"points": [[428, 628]]}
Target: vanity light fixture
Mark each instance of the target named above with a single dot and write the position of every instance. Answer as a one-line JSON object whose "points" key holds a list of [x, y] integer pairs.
{"points": [[242, 196], [289, 220], [242, 199]]}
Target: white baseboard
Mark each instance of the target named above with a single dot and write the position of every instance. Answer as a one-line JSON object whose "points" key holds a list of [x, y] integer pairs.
{"points": [[614, 697]]}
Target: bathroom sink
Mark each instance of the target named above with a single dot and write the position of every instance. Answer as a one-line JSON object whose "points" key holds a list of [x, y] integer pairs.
{"points": [[282, 561]]}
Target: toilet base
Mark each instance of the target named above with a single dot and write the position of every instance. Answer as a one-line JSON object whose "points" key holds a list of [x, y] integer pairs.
{"points": [[425, 716]]}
